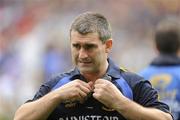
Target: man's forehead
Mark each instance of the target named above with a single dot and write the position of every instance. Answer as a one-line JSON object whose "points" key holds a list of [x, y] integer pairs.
{"points": [[88, 38]]}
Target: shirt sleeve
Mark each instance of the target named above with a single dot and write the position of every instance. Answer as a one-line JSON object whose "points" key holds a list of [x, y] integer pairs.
{"points": [[43, 90], [147, 96]]}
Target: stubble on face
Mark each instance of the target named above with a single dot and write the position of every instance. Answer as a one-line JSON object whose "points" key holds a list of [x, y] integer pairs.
{"points": [[93, 61], [93, 67]]}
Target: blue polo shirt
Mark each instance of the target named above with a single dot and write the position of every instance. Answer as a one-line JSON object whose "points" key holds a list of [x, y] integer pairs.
{"points": [[164, 74], [92, 109]]}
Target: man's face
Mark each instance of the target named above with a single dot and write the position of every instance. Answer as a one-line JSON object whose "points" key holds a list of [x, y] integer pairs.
{"points": [[89, 54]]}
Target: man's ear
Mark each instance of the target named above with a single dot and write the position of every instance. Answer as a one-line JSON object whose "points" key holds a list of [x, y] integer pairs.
{"points": [[108, 45]]}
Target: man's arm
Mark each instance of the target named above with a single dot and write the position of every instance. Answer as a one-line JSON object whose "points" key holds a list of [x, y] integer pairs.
{"points": [[42, 108], [108, 94], [131, 110]]}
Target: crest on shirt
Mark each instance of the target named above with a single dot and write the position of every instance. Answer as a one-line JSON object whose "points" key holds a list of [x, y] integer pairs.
{"points": [[107, 109], [70, 103]]}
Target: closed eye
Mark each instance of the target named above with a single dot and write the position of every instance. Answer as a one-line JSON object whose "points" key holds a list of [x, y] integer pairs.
{"points": [[89, 46], [85, 46]]}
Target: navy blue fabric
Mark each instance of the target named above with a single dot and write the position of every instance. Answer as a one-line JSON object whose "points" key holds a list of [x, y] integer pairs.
{"points": [[91, 109]]}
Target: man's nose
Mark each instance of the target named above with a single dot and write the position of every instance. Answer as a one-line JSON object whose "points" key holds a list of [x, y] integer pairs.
{"points": [[83, 53]]}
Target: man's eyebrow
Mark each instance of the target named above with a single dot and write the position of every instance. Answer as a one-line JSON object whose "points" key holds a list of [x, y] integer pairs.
{"points": [[89, 45], [83, 44]]}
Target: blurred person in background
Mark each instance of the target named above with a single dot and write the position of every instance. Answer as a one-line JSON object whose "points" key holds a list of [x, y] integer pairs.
{"points": [[10, 71], [96, 88], [164, 71]]}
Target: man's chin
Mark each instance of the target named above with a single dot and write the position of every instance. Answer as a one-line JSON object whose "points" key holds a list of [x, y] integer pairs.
{"points": [[85, 70]]}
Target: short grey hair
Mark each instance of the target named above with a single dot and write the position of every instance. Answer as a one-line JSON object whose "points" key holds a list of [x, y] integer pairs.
{"points": [[90, 22]]}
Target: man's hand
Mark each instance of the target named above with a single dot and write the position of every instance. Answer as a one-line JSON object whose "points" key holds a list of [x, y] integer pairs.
{"points": [[77, 90], [106, 92]]}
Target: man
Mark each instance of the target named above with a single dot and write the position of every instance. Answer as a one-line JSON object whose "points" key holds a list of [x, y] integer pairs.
{"points": [[164, 70], [96, 89]]}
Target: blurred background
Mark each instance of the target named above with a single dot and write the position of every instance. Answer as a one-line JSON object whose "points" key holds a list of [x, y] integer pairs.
{"points": [[34, 41]]}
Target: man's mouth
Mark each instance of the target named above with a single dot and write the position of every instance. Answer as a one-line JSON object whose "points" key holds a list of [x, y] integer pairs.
{"points": [[85, 62]]}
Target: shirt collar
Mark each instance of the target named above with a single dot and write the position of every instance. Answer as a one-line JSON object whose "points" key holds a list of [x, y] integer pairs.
{"points": [[113, 70], [166, 60]]}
